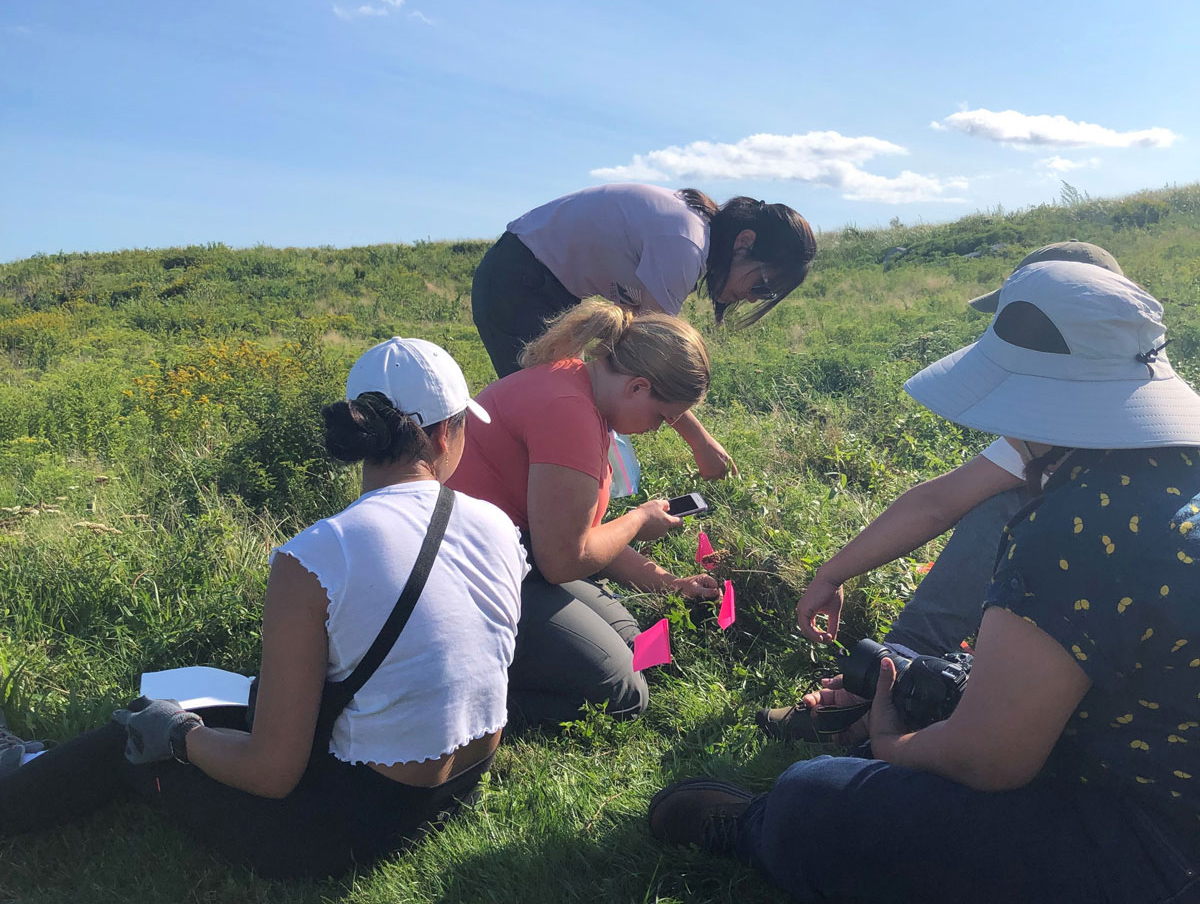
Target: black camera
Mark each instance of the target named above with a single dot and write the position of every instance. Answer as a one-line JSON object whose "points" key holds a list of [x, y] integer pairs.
{"points": [[927, 688]]}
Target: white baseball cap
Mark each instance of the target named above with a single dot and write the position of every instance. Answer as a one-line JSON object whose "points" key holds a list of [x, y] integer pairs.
{"points": [[1074, 357], [419, 378]]}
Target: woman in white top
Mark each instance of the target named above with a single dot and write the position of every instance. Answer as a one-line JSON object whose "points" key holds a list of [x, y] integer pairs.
{"points": [[295, 796], [645, 248]]}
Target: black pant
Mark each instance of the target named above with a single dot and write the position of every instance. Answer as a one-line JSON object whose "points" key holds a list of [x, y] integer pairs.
{"points": [[513, 294], [339, 816]]}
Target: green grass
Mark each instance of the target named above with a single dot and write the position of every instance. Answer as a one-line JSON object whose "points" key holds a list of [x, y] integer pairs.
{"points": [[158, 433]]}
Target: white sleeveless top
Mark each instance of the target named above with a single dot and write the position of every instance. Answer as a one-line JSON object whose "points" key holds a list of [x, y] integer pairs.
{"points": [[445, 681], [622, 241]]}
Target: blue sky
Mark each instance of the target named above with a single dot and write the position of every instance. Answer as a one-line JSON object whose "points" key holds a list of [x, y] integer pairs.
{"points": [[310, 122]]}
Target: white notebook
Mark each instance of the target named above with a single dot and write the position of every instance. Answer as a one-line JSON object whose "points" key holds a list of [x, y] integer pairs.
{"points": [[197, 686]]}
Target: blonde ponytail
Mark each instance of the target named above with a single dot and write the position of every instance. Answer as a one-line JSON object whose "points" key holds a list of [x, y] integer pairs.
{"points": [[665, 350], [590, 328]]}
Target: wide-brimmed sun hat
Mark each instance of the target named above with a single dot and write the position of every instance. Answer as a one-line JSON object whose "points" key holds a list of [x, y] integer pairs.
{"points": [[1083, 252], [419, 378], [1074, 357]]}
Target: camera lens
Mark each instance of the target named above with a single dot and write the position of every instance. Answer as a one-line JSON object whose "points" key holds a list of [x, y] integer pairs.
{"points": [[860, 668]]}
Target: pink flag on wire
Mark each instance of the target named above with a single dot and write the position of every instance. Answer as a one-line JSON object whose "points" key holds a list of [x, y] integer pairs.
{"points": [[728, 613], [703, 548], [652, 646]]}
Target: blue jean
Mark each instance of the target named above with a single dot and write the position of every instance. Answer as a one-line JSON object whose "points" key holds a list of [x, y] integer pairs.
{"points": [[863, 830], [948, 604]]}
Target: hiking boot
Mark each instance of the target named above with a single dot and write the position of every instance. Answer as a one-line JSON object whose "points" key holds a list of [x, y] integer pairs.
{"points": [[699, 811]]}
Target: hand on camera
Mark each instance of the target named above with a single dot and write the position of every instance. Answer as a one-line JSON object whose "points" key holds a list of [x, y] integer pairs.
{"points": [[886, 725], [656, 521]]}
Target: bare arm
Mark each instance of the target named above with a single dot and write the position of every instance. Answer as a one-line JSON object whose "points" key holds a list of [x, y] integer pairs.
{"points": [[270, 760], [562, 506], [924, 512], [633, 569], [711, 458], [1024, 687]]}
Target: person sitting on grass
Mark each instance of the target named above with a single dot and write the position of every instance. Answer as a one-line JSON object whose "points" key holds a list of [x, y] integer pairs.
{"points": [[543, 459], [975, 499], [1068, 770], [334, 775]]}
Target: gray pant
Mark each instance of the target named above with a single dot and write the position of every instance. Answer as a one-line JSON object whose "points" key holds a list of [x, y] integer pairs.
{"points": [[574, 646], [948, 604]]}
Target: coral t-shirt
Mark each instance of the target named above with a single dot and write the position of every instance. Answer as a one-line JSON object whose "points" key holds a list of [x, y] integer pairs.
{"points": [[540, 415]]}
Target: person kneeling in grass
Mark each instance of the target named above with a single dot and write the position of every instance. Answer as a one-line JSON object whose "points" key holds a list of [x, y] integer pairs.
{"points": [[362, 740], [1068, 770]]}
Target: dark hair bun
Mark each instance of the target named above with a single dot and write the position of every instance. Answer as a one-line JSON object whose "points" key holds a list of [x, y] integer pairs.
{"points": [[358, 429]]}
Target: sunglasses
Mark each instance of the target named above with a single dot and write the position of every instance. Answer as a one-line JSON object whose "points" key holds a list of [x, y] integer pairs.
{"points": [[762, 290]]}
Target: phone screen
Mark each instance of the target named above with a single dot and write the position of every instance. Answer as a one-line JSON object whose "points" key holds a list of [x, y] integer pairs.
{"points": [[688, 504]]}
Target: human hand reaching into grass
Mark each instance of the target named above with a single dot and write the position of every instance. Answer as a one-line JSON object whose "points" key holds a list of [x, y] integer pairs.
{"points": [[697, 587], [821, 597], [713, 462]]}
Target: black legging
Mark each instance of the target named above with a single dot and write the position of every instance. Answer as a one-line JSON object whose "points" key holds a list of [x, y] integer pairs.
{"points": [[339, 816], [512, 296]]}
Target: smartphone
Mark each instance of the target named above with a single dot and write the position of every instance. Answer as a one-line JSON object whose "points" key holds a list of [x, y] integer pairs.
{"points": [[688, 504]]}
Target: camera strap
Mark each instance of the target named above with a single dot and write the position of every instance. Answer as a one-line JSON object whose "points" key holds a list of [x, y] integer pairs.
{"points": [[833, 720], [337, 694]]}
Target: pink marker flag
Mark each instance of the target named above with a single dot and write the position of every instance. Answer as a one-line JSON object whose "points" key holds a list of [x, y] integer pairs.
{"points": [[703, 548], [652, 646], [728, 613]]}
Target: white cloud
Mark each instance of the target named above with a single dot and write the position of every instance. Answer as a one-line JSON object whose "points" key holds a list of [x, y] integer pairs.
{"points": [[366, 10], [1024, 130], [822, 158], [421, 17], [22, 30], [1058, 164]]}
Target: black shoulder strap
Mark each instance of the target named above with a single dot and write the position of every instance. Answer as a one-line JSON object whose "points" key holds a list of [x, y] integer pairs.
{"points": [[390, 633]]}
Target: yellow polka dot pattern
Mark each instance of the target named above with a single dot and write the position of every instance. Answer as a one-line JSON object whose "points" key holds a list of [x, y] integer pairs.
{"points": [[1105, 565]]}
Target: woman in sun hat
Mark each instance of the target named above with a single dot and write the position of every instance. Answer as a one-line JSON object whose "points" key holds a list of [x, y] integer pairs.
{"points": [[974, 500], [1068, 771], [645, 248], [334, 775]]}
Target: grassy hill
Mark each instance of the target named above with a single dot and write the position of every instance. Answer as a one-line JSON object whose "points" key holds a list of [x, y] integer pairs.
{"points": [[159, 414]]}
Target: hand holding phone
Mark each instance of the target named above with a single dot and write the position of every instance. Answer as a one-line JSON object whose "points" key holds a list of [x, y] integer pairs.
{"points": [[687, 504]]}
